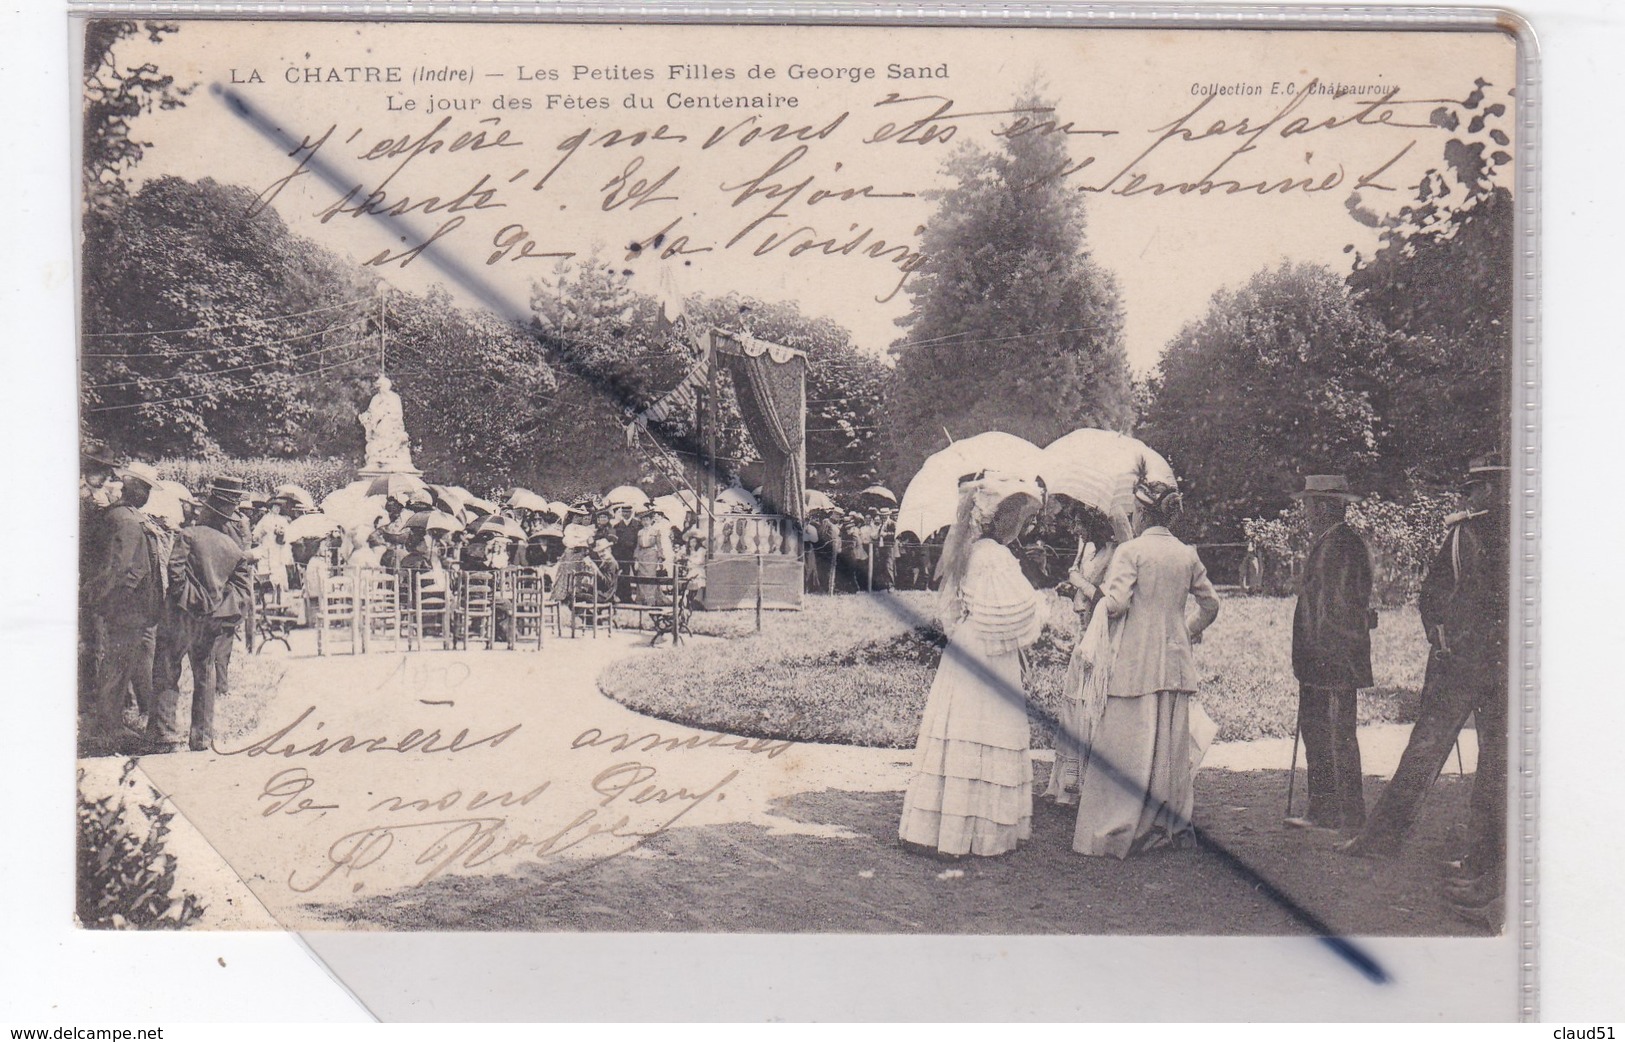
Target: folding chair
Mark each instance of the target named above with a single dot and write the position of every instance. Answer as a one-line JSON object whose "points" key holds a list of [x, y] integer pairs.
{"points": [[337, 607]]}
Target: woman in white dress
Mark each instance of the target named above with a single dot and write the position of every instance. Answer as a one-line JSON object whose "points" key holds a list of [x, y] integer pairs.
{"points": [[972, 787], [1137, 790]]}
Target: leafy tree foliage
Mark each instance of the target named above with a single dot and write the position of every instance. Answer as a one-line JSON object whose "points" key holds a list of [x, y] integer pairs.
{"points": [[475, 390], [115, 94], [199, 324], [1277, 380], [1443, 278], [1013, 326]]}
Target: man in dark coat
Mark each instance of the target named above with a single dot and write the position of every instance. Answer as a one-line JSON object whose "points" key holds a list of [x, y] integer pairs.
{"points": [[1464, 607], [1331, 654], [210, 588], [124, 591]]}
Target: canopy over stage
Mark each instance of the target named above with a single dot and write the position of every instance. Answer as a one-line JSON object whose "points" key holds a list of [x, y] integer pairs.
{"points": [[759, 563]]}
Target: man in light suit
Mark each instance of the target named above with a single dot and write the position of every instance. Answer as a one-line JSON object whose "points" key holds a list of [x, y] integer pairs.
{"points": [[1331, 654]]}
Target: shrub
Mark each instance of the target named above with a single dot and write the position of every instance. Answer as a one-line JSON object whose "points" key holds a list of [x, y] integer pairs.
{"points": [[318, 475], [125, 876], [1402, 538]]}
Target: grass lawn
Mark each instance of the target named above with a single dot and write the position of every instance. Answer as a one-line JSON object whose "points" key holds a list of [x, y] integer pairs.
{"points": [[856, 669]]}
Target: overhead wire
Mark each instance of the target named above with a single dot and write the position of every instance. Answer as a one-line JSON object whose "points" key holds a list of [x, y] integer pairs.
{"points": [[226, 347], [225, 325], [232, 369]]}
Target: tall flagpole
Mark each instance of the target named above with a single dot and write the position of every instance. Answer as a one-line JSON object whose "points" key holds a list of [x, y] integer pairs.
{"points": [[712, 411], [382, 324]]}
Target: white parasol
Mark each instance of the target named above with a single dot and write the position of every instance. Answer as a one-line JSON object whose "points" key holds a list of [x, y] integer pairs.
{"points": [[1098, 468], [627, 496], [932, 496], [816, 500], [525, 499], [678, 505], [297, 495], [311, 526], [736, 500]]}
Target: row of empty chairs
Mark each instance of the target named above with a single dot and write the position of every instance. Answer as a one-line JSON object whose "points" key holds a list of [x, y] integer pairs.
{"points": [[377, 608]]}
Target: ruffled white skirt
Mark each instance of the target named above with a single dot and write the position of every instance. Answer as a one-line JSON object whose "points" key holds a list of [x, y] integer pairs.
{"points": [[971, 792]]}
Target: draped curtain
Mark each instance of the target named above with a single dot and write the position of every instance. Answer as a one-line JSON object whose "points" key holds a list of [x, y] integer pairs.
{"points": [[770, 383]]}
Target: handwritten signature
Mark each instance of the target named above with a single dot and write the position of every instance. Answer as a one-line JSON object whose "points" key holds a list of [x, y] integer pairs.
{"points": [[448, 844]]}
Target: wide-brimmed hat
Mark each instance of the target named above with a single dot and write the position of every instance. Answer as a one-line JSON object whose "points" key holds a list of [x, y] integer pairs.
{"points": [[992, 488], [1333, 485], [143, 472], [1487, 467], [602, 546]]}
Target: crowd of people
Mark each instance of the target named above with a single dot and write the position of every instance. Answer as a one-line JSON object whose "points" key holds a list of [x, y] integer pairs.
{"points": [[1126, 756], [163, 587]]}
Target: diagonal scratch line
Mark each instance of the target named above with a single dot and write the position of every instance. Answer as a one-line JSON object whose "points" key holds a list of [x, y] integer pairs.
{"points": [[1357, 958]]}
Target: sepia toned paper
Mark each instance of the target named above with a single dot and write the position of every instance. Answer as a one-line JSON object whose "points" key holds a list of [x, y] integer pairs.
{"points": [[488, 172]]}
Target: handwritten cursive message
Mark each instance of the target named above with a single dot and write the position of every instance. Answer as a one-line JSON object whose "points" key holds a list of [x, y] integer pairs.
{"points": [[818, 189]]}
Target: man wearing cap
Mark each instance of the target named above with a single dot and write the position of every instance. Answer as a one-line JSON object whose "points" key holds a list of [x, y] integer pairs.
{"points": [[210, 587], [1464, 607], [1331, 654], [125, 592]]}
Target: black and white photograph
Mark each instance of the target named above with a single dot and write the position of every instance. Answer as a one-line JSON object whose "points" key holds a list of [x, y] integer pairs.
{"points": [[797, 480]]}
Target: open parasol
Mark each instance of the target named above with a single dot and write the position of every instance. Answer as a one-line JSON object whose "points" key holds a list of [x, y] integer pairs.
{"points": [[1098, 468], [316, 525], [879, 494], [932, 495], [816, 500], [736, 500], [525, 499], [297, 495], [434, 521], [627, 496], [397, 485], [678, 505], [496, 524]]}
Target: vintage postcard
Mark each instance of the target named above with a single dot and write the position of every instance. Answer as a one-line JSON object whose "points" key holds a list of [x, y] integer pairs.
{"points": [[804, 479]]}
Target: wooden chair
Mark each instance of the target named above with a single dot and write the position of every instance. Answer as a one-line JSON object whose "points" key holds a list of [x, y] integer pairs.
{"points": [[527, 590], [430, 604], [476, 609], [588, 608], [380, 594], [338, 607]]}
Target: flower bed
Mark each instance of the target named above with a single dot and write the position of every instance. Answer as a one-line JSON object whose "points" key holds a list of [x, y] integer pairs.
{"points": [[855, 670]]}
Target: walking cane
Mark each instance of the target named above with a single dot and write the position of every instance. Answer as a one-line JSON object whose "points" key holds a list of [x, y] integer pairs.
{"points": [[1292, 777], [1461, 770]]}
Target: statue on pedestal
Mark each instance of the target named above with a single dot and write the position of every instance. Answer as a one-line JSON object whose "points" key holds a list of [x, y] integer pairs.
{"points": [[388, 450]]}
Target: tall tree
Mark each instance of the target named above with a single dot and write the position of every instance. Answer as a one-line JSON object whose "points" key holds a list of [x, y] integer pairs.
{"points": [[116, 93], [1012, 326], [199, 323], [1278, 379], [1443, 278], [475, 390]]}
